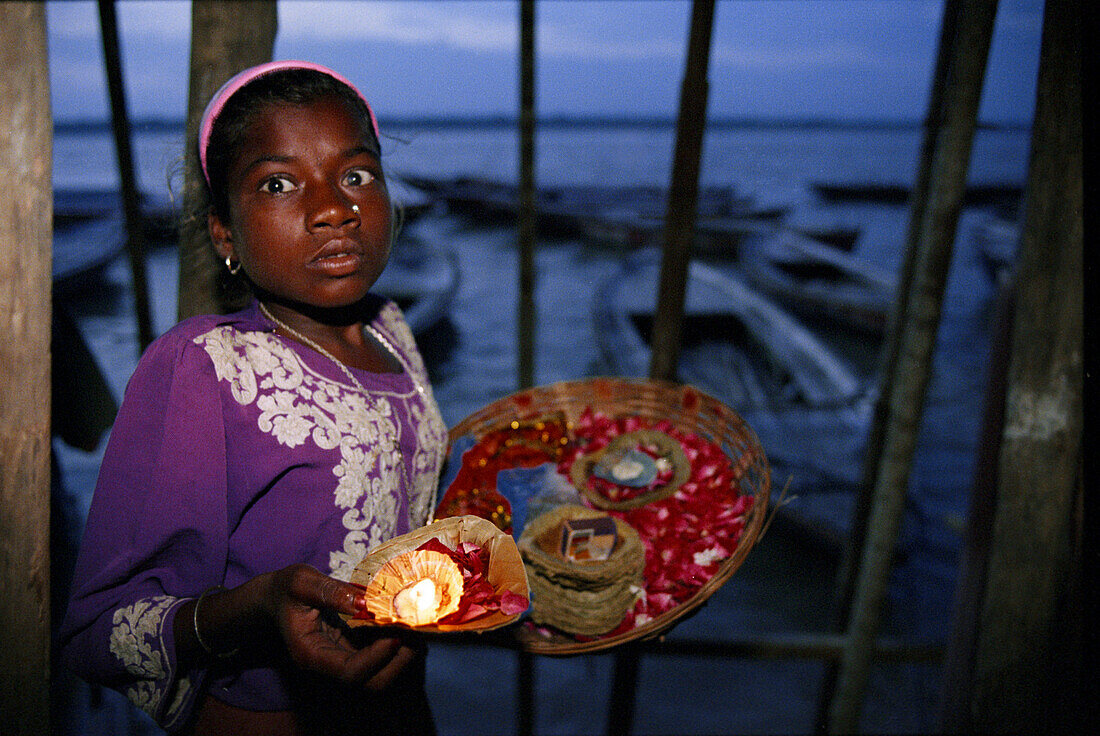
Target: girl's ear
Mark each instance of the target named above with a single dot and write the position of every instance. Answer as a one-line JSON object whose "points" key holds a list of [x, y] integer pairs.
{"points": [[221, 235]]}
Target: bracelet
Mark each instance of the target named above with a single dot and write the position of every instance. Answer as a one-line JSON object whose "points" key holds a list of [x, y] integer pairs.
{"points": [[195, 623]]}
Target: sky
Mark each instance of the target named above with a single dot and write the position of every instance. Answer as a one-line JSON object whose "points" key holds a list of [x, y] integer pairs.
{"points": [[803, 59]]}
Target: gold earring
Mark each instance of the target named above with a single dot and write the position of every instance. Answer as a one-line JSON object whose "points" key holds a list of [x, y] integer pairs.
{"points": [[233, 270]]}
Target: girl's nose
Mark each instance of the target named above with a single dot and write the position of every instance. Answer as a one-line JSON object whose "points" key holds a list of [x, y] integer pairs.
{"points": [[332, 208]]}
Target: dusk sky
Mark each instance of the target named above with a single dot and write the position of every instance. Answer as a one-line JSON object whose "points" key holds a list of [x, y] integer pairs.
{"points": [[808, 59]]}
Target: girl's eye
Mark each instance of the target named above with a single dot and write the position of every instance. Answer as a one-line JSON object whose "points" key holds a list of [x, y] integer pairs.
{"points": [[277, 185], [358, 177]]}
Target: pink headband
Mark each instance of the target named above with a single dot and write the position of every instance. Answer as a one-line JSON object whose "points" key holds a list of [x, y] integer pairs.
{"points": [[217, 102]]}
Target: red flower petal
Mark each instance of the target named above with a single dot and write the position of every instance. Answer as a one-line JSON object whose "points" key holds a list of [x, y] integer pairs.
{"points": [[512, 604]]}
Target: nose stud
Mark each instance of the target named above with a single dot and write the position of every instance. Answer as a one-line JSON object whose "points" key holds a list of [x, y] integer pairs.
{"points": [[355, 208]]}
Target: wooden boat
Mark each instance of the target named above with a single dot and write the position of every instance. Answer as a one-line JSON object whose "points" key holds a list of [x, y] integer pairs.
{"points": [[898, 194], [422, 277], [819, 282], [737, 344], [841, 237], [631, 215], [78, 206], [715, 236], [410, 200], [840, 231], [803, 400], [996, 241], [82, 249]]}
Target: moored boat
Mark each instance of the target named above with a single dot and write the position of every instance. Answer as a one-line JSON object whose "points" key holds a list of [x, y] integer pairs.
{"points": [[751, 353], [82, 249], [996, 241], [819, 282], [898, 194], [73, 207], [804, 401], [422, 277], [715, 236], [631, 216], [410, 200]]}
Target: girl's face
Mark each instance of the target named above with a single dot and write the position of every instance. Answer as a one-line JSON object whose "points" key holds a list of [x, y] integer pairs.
{"points": [[309, 215]]}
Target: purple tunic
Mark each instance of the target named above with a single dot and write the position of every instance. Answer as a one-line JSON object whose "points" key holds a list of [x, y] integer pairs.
{"points": [[237, 452]]}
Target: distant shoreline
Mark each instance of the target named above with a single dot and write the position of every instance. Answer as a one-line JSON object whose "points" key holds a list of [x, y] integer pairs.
{"points": [[71, 127]]}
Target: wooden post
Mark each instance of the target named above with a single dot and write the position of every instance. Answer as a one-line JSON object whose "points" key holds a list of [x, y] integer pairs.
{"points": [[525, 693], [958, 672], [853, 550], [679, 233], [917, 206], [526, 224], [1017, 673], [226, 37], [131, 197], [526, 234], [683, 195], [26, 213], [951, 160], [624, 686]]}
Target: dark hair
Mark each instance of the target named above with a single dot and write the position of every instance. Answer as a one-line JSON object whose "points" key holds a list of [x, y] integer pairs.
{"points": [[298, 87]]}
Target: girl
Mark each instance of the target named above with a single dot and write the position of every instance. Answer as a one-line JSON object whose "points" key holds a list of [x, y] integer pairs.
{"points": [[258, 455]]}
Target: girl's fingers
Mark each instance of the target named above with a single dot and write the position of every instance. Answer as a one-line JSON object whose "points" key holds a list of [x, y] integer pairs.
{"points": [[307, 586], [376, 665], [342, 597], [321, 647]]}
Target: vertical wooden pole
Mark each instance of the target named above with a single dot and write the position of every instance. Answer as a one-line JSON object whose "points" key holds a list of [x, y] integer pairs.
{"points": [[624, 687], [131, 197], [526, 233], [525, 693], [853, 550], [683, 195], [958, 672], [951, 160], [1016, 672], [226, 37], [917, 206], [679, 232], [526, 225], [26, 212]]}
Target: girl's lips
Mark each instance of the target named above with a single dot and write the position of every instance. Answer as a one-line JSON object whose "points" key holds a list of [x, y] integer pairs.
{"points": [[338, 258], [338, 247], [338, 264]]}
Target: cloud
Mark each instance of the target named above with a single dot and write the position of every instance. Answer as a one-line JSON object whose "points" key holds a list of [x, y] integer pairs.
{"points": [[595, 29], [482, 26], [158, 19], [430, 57], [79, 21], [791, 58]]}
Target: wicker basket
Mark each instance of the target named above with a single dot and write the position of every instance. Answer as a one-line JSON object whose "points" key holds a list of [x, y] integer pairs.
{"points": [[688, 409], [588, 598]]}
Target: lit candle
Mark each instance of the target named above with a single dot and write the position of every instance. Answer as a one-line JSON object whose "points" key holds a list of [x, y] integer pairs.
{"points": [[418, 603]]}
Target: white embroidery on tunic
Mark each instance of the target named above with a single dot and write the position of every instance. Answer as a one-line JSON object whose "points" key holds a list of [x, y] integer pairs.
{"points": [[297, 405], [137, 641]]}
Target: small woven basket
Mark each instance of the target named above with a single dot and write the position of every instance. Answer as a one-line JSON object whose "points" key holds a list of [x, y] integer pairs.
{"points": [[587, 598], [688, 409]]}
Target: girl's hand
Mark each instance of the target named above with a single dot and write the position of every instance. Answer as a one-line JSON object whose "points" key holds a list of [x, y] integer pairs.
{"points": [[298, 598]]}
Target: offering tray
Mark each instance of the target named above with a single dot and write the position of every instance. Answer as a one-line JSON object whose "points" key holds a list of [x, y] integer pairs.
{"points": [[641, 405]]}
